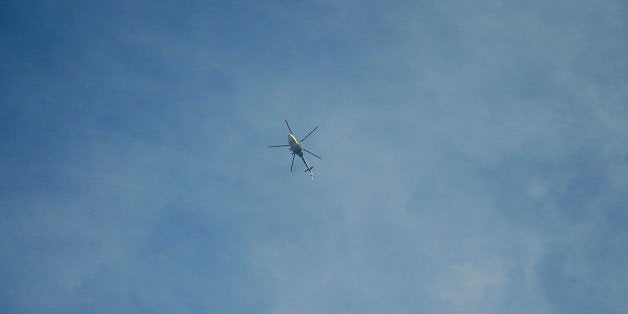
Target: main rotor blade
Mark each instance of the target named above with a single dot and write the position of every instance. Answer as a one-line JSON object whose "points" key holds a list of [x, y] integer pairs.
{"points": [[292, 163], [309, 134], [289, 129], [312, 153], [277, 146]]}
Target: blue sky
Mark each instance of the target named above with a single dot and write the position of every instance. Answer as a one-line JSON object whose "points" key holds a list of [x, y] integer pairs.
{"points": [[474, 156]]}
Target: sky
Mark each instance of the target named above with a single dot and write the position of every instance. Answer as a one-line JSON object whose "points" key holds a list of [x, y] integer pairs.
{"points": [[474, 156]]}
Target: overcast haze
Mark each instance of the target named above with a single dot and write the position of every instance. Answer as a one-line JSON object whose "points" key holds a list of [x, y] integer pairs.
{"points": [[475, 156]]}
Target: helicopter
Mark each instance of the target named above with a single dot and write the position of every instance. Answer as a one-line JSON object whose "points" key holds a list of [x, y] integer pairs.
{"points": [[296, 148]]}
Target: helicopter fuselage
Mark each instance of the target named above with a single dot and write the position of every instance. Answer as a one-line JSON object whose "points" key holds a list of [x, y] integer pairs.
{"points": [[295, 145]]}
